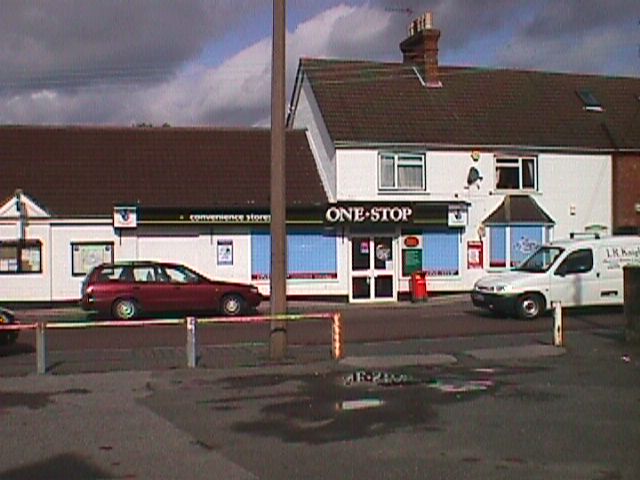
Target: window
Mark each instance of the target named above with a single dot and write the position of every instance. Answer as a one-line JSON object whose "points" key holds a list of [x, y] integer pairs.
{"points": [[516, 173], [310, 255], [509, 245], [441, 257], [580, 261], [85, 256], [401, 171], [589, 101], [20, 256]]}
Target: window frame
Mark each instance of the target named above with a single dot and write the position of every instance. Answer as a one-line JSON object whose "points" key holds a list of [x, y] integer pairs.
{"points": [[518, 162], [20, 246], [76, 270], [402, 159]]}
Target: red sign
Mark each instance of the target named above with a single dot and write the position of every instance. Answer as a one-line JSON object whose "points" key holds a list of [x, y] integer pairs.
{"points": [[474, 254], [411, 242]]}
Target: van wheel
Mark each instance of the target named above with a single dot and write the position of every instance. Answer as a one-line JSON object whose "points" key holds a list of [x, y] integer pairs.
{"points": [[125, 309], [232, 305], [530, 306]]}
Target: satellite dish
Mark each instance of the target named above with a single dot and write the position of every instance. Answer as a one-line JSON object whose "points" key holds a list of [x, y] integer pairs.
{"points": [[473, 176]]}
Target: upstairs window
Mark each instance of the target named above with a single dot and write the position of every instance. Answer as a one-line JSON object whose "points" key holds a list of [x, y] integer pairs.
{"points": [[516, 173], [401, 171]]}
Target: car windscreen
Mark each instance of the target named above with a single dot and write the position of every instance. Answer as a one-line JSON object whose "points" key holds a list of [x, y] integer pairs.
{"points": [[541, 260]]}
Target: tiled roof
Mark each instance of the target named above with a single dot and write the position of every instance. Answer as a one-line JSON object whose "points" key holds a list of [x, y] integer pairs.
{"points": [[85, 171], [367, 102], [518, 209]]}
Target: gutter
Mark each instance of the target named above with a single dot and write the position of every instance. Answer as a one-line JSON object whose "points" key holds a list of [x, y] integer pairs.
{"points": [[456, 146]]}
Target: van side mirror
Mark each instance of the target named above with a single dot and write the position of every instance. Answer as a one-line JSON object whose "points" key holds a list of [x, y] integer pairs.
{"points": [[561, 271]]}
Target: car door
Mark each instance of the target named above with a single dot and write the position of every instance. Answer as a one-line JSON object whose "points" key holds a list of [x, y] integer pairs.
{"points": [[151, 294], [188, 291], [575, 280]]}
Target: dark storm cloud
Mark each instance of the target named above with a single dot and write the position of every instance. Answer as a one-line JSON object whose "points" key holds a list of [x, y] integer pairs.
{"points": [[578, 16], [67, 43]]}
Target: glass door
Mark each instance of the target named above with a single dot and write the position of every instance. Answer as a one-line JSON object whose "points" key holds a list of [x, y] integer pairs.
{"points": [[372, 268]]}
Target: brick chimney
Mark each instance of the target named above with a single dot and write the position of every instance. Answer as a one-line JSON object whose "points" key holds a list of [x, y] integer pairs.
{"points": [[421, 48]]}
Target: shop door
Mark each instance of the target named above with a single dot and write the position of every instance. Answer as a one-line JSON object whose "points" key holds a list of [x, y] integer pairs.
{"points": [[372, 269]]}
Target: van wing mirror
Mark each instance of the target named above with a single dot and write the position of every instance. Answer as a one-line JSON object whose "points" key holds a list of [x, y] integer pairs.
{"points": [[561, 271]]}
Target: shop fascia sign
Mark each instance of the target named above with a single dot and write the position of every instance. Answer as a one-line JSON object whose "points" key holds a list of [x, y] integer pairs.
{"points": [[155, 216], [358, 214]]}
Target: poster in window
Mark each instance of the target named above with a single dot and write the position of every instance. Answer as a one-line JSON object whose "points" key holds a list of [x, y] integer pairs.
{"points": [[89, 255], [225, 252], [474, 254]]}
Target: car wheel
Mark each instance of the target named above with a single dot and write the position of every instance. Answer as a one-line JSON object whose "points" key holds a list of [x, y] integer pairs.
{"points": [[125, 309], [530, 306], [232, 305]]}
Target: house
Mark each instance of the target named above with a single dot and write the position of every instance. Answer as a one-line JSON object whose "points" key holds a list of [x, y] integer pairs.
{"points": [[485, 164]]}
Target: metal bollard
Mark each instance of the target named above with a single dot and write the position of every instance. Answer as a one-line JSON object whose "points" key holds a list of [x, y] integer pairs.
{"points": [[557, 324], [41, 347], [336, 330], [192, 348]]}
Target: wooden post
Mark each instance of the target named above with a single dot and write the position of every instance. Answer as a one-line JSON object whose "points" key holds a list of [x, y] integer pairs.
{"points": [[557, 324], [336, 344], [41, 347], [192, 347]]}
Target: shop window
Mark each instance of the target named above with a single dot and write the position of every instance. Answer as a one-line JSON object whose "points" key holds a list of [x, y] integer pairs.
{"points": [[509, 245], [86, 255], [441, 253], [20, 256], [402, 171], [310, 255], [516, 173]]}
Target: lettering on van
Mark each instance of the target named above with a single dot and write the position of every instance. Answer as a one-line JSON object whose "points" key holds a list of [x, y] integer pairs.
{"points": [[361, 214], [618, 257]]}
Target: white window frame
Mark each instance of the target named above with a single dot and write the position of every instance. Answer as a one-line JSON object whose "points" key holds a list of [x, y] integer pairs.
{"points": [[516, 162], [402, 160]]}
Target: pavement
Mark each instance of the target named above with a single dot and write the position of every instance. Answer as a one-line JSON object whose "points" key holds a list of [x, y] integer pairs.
{"points": [[488, 407]]}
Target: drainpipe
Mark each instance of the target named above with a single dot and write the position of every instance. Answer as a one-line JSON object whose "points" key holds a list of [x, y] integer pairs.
{"points": [[22, 215]]}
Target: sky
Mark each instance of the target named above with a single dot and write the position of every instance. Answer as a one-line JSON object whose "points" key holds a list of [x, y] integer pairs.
{"points": [[208, 62]]}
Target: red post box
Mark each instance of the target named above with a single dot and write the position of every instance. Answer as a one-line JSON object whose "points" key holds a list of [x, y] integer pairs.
{"points": [[418, 286]]}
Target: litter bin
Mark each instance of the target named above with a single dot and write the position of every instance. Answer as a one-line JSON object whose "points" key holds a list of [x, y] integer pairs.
{"points": [[631, 275], [418, 286]]}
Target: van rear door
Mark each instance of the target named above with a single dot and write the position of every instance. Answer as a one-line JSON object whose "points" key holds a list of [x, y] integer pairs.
{"points": [[611, 259]]}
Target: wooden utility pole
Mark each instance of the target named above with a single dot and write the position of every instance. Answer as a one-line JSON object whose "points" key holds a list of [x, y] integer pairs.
{"points": [[278, 335]]}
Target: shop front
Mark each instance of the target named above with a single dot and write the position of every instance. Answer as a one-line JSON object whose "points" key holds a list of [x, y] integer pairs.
{"points": [[388, 242]]}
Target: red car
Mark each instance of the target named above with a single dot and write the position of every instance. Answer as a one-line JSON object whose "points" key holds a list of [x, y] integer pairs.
{"points": [[128, 290]]}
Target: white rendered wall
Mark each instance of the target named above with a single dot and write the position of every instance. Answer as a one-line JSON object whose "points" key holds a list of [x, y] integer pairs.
{"points": [[575, 190], [308, 117]]}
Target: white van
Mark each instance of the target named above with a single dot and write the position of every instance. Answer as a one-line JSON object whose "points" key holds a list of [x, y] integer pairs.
{"points": [[575, 272]]}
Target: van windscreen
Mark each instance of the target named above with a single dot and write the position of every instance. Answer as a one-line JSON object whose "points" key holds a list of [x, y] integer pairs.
{"points": [[541, 260]]}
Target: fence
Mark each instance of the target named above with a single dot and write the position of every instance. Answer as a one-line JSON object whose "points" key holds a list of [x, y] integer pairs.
{"points": [[191, 324]]}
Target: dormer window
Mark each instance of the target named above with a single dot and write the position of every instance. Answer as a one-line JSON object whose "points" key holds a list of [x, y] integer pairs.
{"points": [[589, 101]]}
